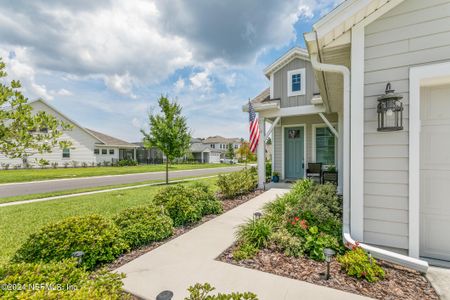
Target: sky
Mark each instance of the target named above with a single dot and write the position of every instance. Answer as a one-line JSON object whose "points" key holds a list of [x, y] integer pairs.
{"points": [[105, 63]]}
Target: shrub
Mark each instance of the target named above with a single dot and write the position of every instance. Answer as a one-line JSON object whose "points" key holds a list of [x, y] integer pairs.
{"points": [[316, 241], [5, 166], [73, 282], [84, 164], [74, 164], [18, 166], [255, 232], [97, 237], [283, 241], [42, 163], [202, 292], [359, 264], [244, 251], [237, 183], [202, 195], [142, 225], [127, 162], [54, 165], [66, 164], [106, 163], [179, 204]]}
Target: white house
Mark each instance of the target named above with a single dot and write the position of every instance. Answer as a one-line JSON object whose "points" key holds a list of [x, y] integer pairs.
{"points": [[88, 146], [395, 184]]}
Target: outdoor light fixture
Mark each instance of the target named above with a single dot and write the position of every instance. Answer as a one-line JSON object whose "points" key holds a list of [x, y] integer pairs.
{"points": [[257, 215], [390, 110], [79, 256], [165, 295], [328, 256]]}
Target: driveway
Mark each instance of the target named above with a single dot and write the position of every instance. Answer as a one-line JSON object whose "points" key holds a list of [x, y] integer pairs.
{"points": [[36, 187], [190, 258]]}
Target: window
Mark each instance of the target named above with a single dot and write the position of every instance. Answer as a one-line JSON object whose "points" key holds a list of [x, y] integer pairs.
{"points": [[66, 153], [296, 82], [236, 146], [96, 151], [213, 146], [104, 151], [325, 146], [111, 151]]}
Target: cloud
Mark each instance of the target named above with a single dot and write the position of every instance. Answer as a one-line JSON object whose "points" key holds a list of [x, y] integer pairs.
{"points": [[62, 92], [201, 81], [179, 84], [122, 84]]}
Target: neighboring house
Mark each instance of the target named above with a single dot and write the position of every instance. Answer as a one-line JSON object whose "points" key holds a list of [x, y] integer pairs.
{"points": [[221, 144], [395, 184], [88, 146], [203, 153], [148, 156]]}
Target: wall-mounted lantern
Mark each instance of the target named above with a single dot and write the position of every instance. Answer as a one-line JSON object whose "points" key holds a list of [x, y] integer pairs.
{"points": [[390, 110]]}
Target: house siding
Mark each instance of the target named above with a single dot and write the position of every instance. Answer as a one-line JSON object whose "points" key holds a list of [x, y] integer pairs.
{"points": [[280, 84], [308, 121], [82, 149], [414, 33]]}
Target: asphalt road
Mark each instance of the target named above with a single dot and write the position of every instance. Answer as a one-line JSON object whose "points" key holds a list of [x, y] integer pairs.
{"points": [[26, 188]]}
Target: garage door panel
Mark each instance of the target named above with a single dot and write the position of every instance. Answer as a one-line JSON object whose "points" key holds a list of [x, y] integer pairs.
{"points": [[435, 173]]}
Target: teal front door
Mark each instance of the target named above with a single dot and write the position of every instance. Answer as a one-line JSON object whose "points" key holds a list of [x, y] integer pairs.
{"points": [[294, 139]]}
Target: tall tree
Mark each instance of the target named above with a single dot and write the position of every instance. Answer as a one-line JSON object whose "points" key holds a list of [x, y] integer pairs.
{"points": [[24, 133], [168, 132], [245, 153], [230, 151]]}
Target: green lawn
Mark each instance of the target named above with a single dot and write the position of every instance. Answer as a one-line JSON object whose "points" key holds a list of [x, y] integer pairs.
{"points": [[17, 222], [7, 176]]}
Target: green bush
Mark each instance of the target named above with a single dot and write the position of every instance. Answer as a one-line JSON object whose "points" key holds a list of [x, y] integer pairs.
{"points": [[359, 264], [255, 232], [237, 183], [143, 225], [202, 195], [290, 245], [98, 237], [244, 251], [126, 163], [61, 280], [316, 241], [202, 292]]}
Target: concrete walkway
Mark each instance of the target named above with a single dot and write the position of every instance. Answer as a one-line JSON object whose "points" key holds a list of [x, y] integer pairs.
{"points": [[190, 259], [440, 280], [54, 185]]}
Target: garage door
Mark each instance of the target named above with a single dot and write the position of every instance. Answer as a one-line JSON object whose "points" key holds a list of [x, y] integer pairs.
{"points": [[435, 172]]}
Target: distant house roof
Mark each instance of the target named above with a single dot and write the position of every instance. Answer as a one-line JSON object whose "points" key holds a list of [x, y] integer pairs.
{"points": [[109, 140], [196, 140], [220, 139], [263, 96], [200, 147]]}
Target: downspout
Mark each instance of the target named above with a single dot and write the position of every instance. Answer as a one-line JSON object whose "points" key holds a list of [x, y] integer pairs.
{"points": [[413, 263]]}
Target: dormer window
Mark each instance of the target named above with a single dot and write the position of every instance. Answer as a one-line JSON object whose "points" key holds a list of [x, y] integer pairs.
{"points": [[296, 82]]}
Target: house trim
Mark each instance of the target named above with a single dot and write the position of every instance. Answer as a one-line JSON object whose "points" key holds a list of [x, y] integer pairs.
{"points": [[418, 77], [293, 111], [357, 133], [313, 142], [302, 90], [305, 137]]}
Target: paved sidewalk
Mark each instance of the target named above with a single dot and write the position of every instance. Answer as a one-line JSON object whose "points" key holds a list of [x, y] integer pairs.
{"points": [[440, 280], [190, 258]]}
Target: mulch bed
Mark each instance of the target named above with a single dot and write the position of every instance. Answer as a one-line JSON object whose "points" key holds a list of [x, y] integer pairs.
{"points": [[399, 283], [227, 205]]}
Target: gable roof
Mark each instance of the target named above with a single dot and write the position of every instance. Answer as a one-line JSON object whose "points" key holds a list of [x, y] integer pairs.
{"points": [[102, 138], [108, 140], [199, 147], [220, 139], [292, 54], [263, 96]]}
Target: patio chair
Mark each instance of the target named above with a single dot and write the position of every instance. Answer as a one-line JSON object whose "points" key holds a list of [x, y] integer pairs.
{"points": [[314, 171]]}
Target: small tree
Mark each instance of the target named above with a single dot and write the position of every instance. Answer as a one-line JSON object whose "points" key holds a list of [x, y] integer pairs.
{"points": [[244, 152], [168, 132], [22, 132], [230, 151]]}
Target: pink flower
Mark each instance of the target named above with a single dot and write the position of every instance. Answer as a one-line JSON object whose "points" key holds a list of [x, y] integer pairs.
{"points": [[304, 224]]}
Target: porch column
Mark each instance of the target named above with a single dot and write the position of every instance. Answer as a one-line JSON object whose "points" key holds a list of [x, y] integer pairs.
{"points": [[202, 157], [261, 155], [134, 153], [340, 162]]}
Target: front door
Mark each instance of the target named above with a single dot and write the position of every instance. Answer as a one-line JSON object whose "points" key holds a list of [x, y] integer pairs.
{"points": [[435, 172], [294, 152]]}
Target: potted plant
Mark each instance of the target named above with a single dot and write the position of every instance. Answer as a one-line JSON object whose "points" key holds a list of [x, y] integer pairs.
{"points": [[275, 177]]}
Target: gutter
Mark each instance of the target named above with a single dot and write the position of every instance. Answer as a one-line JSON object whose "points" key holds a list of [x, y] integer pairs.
{"points": [[413, 263]]}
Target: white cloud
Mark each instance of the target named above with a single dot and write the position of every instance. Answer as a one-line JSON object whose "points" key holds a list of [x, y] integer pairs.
{"points": [[179, 84], [122, 84], [201, 81], [136, 123], [62, 92]]}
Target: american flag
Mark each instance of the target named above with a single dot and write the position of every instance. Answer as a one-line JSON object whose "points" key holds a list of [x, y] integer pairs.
{"points": [[254, 127]]}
